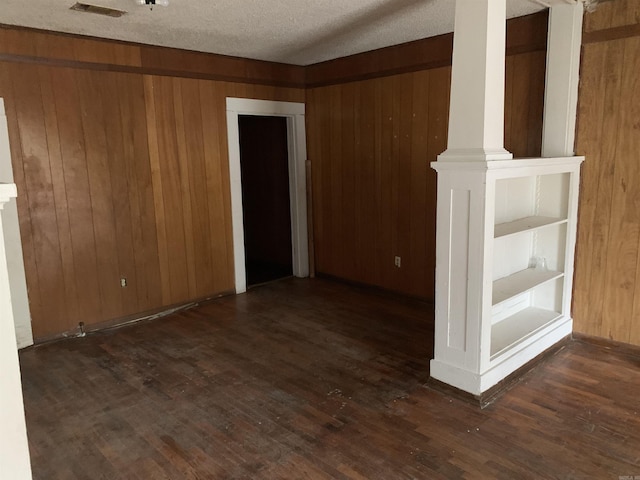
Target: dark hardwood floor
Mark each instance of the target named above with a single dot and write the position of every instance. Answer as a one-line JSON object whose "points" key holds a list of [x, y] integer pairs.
{"points": [[310, 379]]}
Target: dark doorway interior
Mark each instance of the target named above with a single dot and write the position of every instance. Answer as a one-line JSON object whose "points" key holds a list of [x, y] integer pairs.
{"points": [[265, 198]]}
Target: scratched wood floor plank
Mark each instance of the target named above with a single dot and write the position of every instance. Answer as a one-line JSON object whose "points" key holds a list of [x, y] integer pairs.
{"points": [[313, 379]]}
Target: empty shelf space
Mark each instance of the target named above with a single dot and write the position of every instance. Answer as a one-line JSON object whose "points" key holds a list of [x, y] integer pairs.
{"points": [[508, 287], [524, 224], [519, 326]]}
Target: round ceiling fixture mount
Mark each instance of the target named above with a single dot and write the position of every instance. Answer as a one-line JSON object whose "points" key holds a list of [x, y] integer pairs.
{"points": [[152, 3]]}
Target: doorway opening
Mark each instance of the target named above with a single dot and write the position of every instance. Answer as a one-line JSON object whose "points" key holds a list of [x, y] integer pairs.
{"points": [[265, 198], [293, 116]]}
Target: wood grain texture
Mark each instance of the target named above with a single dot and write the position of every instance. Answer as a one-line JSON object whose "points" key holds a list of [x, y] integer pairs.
{"points": [[38, 186], [24, 216], [607, 276], [611, 15], [138, 182], [27, 45], [41, 44], [524, 34], [100, 207], [594, 194], [120, 175], [310, 379], [371, 143]]}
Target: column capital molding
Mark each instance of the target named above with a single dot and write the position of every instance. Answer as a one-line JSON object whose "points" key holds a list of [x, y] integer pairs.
{"points": [[474, 154]]}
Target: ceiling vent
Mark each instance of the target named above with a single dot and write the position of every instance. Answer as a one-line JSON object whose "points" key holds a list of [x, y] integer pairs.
{"points": [[106, 11]]}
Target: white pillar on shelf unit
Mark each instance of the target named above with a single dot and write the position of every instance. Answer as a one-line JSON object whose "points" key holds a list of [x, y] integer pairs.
{"points": [[564, 40], [481, 335], [476, 111], [475, 138], [14, 448]]}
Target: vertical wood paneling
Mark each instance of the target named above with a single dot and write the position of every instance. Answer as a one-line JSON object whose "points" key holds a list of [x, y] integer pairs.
{"points": [[613, 14], [156, 182], [537, 71], [523, 108], [437, 126], [419, 167], [629, 147], [185, 187], [221, 91], [119, 174], [597, 181], [201, 238], [385, 181], [171, 189], [100, 193], [588, 138], [508, 99], [395, 164], [38, 181], [217, 191], [76, 179], [367, 206], [622, 257], [521, 81], [348, 195], [317, 117], [60, 197], [117, 160], [138, 181], [374, 190], [607, 274], [402, 197], [24, 216], [335, 251], [141, 199]]}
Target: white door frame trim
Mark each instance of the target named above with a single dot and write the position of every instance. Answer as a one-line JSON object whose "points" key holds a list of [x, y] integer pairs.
{"points": [[297, 146]]}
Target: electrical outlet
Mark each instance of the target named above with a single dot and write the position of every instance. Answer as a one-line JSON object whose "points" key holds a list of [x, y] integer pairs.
{"points": [[123, 282], [397, 261]]}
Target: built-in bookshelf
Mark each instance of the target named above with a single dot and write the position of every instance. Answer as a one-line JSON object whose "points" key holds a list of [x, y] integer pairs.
{"points": [[506, 237]]}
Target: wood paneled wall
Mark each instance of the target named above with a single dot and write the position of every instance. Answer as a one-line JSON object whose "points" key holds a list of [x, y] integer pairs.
{"points": [[607, 274], [120, 158], [524, 34], [371, 143], [26, 45], [119, 174], [121, 163]]}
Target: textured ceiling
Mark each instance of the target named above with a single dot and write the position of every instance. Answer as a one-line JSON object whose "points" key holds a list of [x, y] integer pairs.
{"points": [[299, 32]]}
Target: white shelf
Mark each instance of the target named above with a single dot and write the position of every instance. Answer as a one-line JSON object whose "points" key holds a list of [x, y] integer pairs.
{"points": [[517, 211], [524, 225], [520, 282], [518, 327]]}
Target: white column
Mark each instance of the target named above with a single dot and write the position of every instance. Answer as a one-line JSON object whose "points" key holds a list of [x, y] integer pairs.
{"points": [[476, 140], [13, 245], [476, 112], [561, 89], [14, 449], [469, 329]]}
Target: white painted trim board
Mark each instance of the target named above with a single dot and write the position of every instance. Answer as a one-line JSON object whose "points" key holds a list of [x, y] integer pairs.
{"points": [[297, 145]]}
